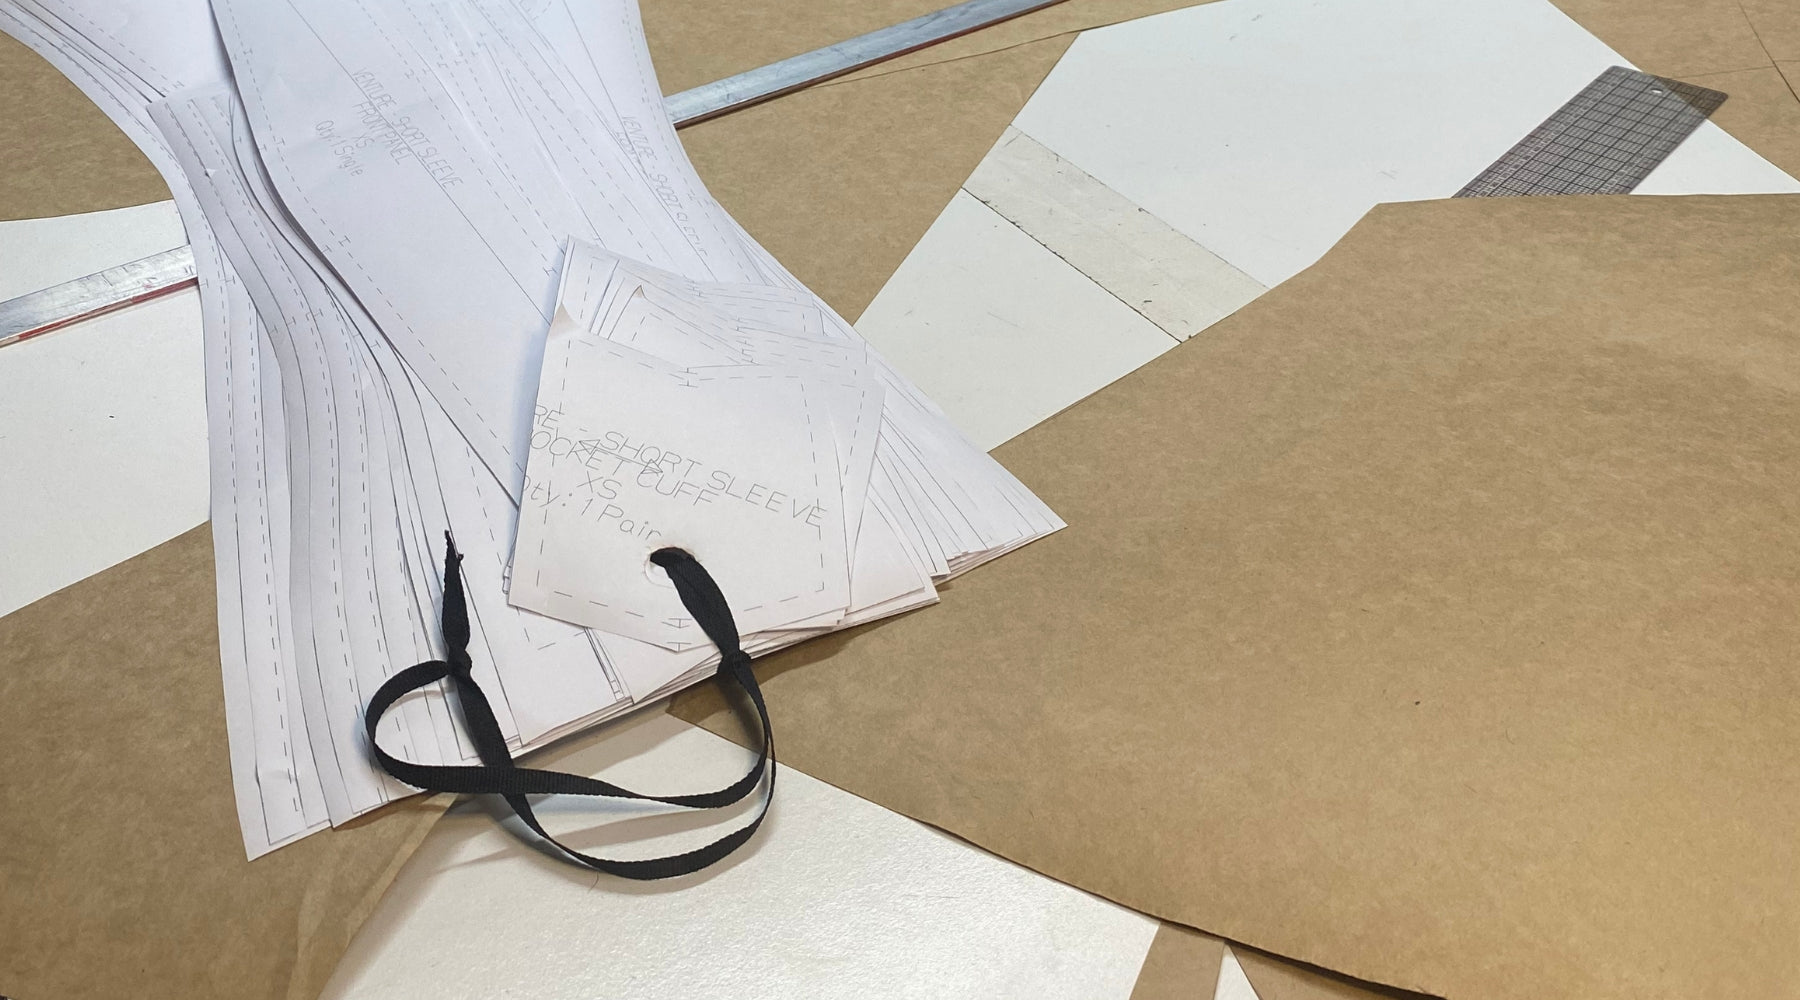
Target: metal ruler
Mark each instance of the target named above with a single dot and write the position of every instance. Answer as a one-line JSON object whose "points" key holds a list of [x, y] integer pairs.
{"points": [[84, 298], [173, 270], [1606, 140], [710, 100]]}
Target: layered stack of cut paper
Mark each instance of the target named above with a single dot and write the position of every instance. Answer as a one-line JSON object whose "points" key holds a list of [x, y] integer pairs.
{"points": [[380, 197]]}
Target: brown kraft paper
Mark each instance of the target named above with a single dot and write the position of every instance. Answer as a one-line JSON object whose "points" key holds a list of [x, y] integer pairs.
{"points": [[122, 871], [1431, 620]]}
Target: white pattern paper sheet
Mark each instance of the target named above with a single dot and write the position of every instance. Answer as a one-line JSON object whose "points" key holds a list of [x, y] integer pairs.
{"points": [[737, 465], [380, 195]]}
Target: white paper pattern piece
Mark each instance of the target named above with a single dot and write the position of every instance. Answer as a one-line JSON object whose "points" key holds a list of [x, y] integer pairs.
{"points": [[725, 420], [737, 466], [381, 197], [1173, 165]]}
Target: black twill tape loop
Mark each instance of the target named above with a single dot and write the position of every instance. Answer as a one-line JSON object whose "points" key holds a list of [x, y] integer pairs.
{"points": [[700, 595], [499, 775], [456, 610]]}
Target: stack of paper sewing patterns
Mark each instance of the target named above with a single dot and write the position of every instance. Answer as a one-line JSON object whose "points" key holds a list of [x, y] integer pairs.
{"points": [[458, 276]]}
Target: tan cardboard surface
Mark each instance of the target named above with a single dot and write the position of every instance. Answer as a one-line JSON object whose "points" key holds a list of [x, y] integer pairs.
{"points": [[916, 127], [122, 872], [1750, 50], [58, 153], [1430, 620], [138, 877], [1182, 964], [841, 180]]}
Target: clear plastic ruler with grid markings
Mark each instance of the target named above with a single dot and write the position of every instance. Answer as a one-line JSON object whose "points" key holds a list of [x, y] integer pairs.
{"points": [[1606, 140]]}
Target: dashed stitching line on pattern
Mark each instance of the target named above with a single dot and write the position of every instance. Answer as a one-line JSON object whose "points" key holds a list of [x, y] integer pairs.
{"points": [[236, 531], [395, 501], [161, 82], [475, 164], [268, 577], [512, 92], [606, 348], [650, 99], [335, 571], [335, 439], [217, 193], [473, 411], [579, 161], [580, 164], [524, 191]]}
